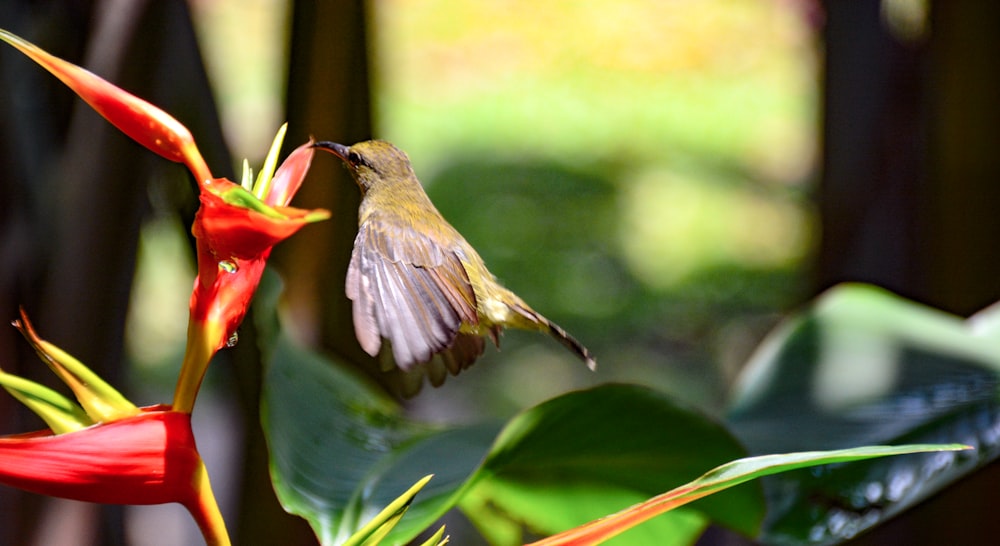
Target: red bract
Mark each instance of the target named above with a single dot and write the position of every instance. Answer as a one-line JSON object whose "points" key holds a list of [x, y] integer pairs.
{"points": [[288, 178], [235, 228], [232, 230], [140, 120], [103, 448], [149, 458], [235, 231], [233, 246]]}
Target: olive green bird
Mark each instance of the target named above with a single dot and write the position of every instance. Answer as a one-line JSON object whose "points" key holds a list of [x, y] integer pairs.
{"points": [[413, 279]]}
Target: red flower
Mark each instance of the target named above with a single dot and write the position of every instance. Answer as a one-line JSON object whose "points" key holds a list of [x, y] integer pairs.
{"points": [[143, 122], [149, 458], [236, 226], [103, 448]]}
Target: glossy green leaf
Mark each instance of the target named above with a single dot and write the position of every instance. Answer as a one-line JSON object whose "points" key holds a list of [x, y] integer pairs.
{"points": [[340, 451], [723, 477], [590, 453], [863, 367]]}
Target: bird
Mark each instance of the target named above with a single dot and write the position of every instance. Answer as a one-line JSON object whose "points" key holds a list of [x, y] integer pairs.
{"points": [[419, 292]]}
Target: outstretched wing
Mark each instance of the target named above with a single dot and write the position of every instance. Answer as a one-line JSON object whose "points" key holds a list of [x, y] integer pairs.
{"points": [[409, 290]]}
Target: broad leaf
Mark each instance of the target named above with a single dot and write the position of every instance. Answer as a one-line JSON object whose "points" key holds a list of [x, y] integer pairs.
{"points": [[340, 451], [723, 477], [590, 453], [862, 367]]}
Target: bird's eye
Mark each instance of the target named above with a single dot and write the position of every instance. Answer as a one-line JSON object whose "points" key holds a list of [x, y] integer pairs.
{"points": [[355, 158]]}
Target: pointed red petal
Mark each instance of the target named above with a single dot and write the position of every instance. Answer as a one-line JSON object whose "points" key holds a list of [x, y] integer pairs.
{"points": [[289, 176], [140, 120], [149, 458]]}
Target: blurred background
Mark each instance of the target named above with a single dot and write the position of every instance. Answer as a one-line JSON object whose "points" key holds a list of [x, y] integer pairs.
{"points": [[664, 178]]}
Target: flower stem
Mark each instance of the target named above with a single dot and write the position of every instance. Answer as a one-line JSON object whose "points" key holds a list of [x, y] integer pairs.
{"points": [[202, 343], [205, 511]]}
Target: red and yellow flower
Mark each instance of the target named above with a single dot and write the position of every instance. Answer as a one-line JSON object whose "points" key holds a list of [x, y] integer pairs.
{"points": [[235, 227], [102, 448]]}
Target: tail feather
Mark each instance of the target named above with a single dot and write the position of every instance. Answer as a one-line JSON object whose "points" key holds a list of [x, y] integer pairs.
{"points": [[541, 323], [572, 344]]}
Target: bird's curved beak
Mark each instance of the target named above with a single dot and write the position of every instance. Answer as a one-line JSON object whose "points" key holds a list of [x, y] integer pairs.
{"points": [[338, 150]]}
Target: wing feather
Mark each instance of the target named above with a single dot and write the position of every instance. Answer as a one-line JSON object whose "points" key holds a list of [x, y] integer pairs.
{"points": [[361, 291], [409, 290], [393, 313]]}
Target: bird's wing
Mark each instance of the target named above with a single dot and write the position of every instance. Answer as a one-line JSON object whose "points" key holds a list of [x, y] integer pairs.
{"points": [[409, 290]]}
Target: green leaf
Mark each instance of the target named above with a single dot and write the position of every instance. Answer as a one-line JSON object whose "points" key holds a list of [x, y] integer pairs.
{"points": [[723, 477], [590, 453], [340, 451], [375, 530], [860, 367]]}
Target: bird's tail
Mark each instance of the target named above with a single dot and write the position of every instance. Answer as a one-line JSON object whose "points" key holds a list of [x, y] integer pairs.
{"points": [[572, 344], [556, 331]]}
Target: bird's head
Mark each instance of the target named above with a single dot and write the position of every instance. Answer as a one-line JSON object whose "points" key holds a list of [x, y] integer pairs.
{"points": [[372, 163]]}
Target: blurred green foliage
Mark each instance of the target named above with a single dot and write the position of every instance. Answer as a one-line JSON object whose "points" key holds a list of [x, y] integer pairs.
{"points": [[637, 171]]}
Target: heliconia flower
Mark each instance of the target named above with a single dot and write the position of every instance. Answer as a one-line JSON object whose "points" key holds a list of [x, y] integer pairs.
{"points": [[105, 449], [236, 226], [148, 458], [119, 462], [143, 122]]}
